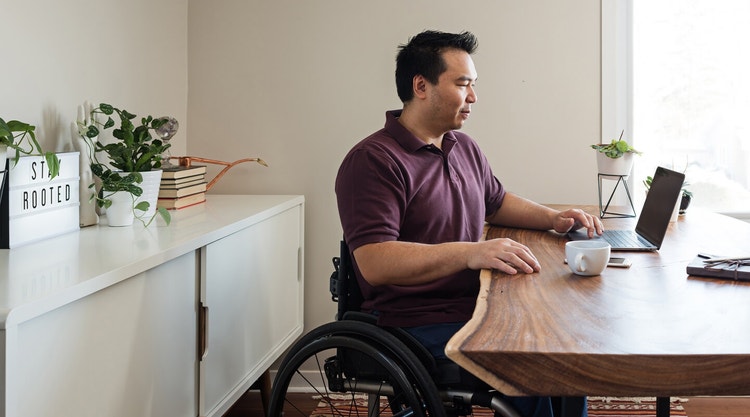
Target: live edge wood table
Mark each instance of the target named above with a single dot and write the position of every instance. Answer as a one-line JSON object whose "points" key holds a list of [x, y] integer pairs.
{"points": [[649, 330]]}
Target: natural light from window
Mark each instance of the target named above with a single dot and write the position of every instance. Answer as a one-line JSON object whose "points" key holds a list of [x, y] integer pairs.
{"points": [[691, 96]]}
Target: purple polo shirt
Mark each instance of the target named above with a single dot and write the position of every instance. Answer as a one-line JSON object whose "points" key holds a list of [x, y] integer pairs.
{"points": [[393, 186]]}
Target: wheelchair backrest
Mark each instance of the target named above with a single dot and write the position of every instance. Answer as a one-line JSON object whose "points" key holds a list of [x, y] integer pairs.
{"points": [[343, 283]]}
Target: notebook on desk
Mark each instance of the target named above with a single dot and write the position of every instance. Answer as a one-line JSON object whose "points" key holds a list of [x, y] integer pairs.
{"points": [[654, 218]]}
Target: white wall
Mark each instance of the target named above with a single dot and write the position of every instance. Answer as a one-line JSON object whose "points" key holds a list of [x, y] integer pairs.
{"points": [[57, 54], [298, 83]]}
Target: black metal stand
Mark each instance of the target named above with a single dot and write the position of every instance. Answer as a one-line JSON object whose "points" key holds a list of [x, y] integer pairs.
{"points": [[604, 209], [4, 207], [4, 175]]}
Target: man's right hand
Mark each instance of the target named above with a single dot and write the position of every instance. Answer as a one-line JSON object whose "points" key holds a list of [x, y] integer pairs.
{"points": [[407, 263], [505, 255]]}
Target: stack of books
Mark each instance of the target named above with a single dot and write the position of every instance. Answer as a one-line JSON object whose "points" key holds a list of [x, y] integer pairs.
{"points": [[182, 187]]}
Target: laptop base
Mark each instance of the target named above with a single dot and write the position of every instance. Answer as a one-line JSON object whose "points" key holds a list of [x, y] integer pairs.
{"points": [[641, 245]]}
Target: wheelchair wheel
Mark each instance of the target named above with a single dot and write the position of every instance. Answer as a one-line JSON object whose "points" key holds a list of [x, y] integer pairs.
{"points": [[354, 369]]}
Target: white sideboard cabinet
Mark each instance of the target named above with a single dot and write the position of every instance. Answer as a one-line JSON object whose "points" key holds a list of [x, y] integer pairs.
{"points": [[161, 321]]}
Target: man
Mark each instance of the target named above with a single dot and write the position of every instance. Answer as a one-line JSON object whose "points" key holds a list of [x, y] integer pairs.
{"points": [[414, 196]]}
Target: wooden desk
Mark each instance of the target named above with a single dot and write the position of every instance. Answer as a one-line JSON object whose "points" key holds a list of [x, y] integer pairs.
{"points": [[650, 330]]}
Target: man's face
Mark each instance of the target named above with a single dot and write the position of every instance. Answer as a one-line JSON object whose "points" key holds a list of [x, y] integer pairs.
{"points": [[451, 98]]}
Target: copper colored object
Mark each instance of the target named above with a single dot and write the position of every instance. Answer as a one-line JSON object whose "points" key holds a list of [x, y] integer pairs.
{"points": [[187, 161]]}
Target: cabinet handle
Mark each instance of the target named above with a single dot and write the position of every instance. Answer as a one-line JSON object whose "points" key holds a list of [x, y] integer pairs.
{"points": [[203, 332], [300, 264]]}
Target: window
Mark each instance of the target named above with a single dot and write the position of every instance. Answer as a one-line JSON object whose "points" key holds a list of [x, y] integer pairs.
{"points": [[678, 78]]}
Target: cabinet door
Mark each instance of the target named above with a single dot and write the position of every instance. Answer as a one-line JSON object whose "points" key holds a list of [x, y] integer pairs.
{"points": [[127, 350], [251, 293]]}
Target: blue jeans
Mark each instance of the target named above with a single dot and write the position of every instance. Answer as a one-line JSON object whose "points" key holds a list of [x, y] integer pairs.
{"points": [[434, 337]]}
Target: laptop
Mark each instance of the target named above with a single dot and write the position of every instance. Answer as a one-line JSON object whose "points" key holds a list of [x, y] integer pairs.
{"points": [[654, 218]]}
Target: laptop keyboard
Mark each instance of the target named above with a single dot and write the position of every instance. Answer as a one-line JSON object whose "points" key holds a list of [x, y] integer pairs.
{"points": [[625, 239]]}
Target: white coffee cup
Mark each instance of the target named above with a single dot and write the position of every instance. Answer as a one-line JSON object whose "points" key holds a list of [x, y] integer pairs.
{"points": [[587, 257]]}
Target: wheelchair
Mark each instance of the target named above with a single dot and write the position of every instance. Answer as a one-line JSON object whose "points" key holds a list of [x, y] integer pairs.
{"points": [[357, 368]]}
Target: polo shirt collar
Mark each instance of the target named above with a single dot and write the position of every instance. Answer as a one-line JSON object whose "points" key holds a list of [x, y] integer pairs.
{"points": [[407, 140]]}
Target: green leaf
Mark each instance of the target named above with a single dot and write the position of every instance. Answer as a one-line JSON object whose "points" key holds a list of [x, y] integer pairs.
{"points": [[92, 131], [165, 215], [16, 126], [106, 108], [97, 169], [157, 123], [53, 164], [4, 129], [142, 206]]}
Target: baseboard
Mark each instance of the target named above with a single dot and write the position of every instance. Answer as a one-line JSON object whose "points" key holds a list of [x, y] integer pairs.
{"points": [[301, 384]]}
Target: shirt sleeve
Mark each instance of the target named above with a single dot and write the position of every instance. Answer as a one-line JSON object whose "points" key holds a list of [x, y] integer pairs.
{"points": [[370, 196], [494, 192]]}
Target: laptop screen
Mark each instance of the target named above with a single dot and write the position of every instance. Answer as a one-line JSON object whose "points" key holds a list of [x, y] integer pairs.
{"points": [[659, 204]]}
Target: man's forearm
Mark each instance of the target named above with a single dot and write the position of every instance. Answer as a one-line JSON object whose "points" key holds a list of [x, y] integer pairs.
{"points": [[519, 212], [408, 263]]}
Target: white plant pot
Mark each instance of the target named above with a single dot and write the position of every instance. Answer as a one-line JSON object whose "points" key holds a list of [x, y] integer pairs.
{"points": [[614, 166], [120, 213], [150, 187]]}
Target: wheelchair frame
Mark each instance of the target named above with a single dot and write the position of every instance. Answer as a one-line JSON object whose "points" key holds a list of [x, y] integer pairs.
{"points": [[364, 363]]}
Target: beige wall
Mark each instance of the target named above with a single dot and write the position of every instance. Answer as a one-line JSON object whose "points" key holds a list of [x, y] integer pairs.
{"points": [[299, 82], [57, 54]]}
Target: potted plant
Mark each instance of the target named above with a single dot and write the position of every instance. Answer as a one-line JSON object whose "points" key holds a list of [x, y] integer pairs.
{"points": [[615, 158], [19, 137], [133, 155], [686, 196]]}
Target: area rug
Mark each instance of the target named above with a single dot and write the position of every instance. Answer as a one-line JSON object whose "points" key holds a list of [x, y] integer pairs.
{"points": [[632, 406], [597, 407]]}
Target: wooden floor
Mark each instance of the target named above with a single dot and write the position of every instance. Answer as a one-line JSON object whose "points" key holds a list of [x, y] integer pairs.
{"points": [[250, 405], [718, 407]]}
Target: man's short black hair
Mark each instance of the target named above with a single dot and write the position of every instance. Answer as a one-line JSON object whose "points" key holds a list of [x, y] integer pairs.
{"points": [[423, 56]]}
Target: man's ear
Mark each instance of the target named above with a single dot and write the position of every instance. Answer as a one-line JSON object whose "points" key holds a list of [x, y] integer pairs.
{"points": [[419, 85]]}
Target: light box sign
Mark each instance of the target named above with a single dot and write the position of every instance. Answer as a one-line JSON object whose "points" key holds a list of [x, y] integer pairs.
{"points": [[35, 206]]}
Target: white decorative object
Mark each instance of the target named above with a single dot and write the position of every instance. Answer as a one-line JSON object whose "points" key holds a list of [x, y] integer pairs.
{"points": [[123, 210], [36, 207], [165, 133], [614, 166], [120, 213], [150, 187], [87, 206]]}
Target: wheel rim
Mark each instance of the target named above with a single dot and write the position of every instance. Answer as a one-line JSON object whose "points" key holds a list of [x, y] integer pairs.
{"points": [[398, 392]]}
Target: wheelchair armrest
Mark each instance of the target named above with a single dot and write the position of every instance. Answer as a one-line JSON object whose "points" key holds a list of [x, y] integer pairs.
{"points": [[360, 316]]}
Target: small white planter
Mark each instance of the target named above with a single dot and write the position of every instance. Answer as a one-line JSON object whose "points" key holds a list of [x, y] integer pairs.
{"points": [[120, 213], [150, 187], [614, 166]]}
